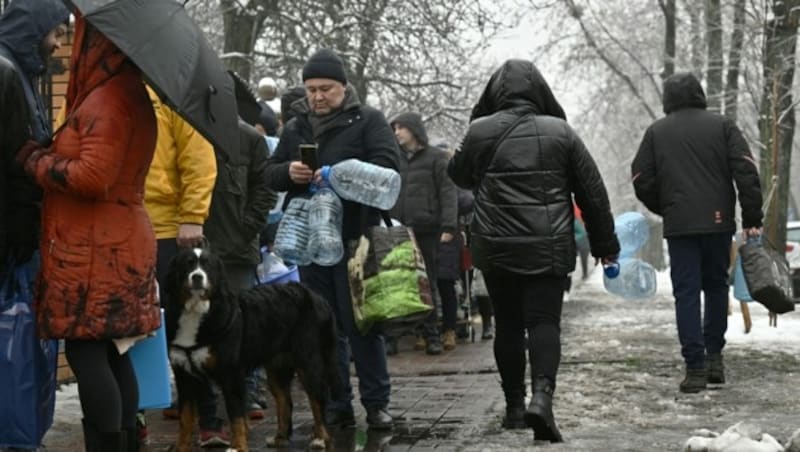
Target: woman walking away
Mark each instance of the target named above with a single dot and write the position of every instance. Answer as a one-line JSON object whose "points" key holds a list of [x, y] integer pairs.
{"points": [[96, 289], [524, 163]]}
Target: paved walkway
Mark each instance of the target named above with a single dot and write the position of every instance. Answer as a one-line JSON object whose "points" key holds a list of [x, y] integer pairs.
{"points": [[617, 389]]}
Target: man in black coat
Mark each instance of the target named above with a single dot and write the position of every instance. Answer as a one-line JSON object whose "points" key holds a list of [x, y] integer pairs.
{"points": [[332, 117], [428, 204], [525, 163], [30, 31], [684, 171]]}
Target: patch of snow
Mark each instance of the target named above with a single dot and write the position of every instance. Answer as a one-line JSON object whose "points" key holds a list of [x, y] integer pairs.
{"points": [[68, 406]]}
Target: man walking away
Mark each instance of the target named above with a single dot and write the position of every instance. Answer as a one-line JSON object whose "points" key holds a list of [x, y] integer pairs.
{"points": [[684, 171]]}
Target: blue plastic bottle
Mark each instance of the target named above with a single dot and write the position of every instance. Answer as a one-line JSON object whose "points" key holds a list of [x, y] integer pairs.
{"points": [[291, 238], [636, 279], [363, 182], [325, 245], [632, 232]]}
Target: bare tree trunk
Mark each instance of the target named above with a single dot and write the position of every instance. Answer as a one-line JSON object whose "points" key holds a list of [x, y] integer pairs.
{"points": [[777, 120], [715, 55], [242, 27], [668, 8], [695, 9], [734, 60]]}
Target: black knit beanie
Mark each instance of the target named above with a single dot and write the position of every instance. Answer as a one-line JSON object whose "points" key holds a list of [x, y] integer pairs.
{"points": [[325, 63]]}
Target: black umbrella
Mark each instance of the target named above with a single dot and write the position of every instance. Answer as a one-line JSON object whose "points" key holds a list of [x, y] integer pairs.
{"points": [[175, 58], [248, 107]]}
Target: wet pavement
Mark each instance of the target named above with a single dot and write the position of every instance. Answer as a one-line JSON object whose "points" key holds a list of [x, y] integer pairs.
{"points": [[617, 391]]}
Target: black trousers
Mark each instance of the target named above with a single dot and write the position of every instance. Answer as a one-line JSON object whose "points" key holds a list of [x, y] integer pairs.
{"points": [[525, 304], [107, 386]]}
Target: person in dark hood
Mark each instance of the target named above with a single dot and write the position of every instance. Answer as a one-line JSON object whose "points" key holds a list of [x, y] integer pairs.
{"points": [[30, 31], [524, 164], [684, 171], [428, 204]]}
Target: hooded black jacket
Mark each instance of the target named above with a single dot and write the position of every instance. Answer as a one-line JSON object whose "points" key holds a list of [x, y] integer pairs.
{"points": [[524, 181], [22, 117], [357, 131], [687, 163], [428, 201]]}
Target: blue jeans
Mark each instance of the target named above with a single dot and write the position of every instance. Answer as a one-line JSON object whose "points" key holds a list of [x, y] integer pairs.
{"points": [[368, 351], [700, 263]]}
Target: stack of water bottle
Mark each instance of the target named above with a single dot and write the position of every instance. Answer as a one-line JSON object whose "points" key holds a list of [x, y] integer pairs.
{"points": [[630, 277], [311, 229]]}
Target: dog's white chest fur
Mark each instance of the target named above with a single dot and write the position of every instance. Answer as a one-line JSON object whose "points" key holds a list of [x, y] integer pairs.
{"points": [[186, 337]]}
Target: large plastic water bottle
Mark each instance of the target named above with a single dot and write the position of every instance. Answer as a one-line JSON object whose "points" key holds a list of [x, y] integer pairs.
{"points": [[325, 245], [636, 280], [270, 267], [291, 238], [363, 182], [632, 232]]}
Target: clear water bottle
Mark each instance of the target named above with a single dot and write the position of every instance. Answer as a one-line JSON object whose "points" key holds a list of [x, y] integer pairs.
{"points": [[291, 238], [632, 232], [325, 245], [271, 267], [363, 182], [636, 280]]}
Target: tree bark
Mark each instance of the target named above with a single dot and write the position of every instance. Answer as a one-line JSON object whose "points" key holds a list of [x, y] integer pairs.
{"points": [[668, 8], [695, 9], [734, 60], [242, 27], [777, 119], [714, 58]]}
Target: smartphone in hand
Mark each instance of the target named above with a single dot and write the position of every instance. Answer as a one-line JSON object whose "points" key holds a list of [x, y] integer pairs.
{"points": [[308, 155]]}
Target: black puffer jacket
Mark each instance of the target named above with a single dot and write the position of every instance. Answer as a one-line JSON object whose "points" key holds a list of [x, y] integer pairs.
{"points": [[687, 163], [241, 200], [22, 117], [427, 201], [359, 132], [524, 163]]}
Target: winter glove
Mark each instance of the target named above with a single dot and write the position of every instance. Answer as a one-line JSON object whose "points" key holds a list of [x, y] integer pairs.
{"points": [[29, 154]]}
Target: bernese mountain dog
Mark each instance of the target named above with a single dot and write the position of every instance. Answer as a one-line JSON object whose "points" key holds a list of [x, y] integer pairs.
{"points": [[213, 335]]}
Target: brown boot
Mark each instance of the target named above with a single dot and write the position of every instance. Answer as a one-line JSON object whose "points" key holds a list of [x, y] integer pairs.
{"points": [[449, 341]]}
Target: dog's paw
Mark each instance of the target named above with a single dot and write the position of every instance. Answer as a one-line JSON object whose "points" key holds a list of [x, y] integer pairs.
{"points": [[277, 442], [317, 444]]}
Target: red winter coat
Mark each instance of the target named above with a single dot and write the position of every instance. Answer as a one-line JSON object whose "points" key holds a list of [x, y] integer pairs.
{"points": [[98, 250]]}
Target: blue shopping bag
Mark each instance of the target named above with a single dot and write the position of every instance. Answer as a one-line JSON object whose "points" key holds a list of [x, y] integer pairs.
{"points": [[27, 364], [151, 365], [740, 290]]}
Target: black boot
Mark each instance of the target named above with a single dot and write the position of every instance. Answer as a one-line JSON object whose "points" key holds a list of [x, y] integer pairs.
{"points": [[539, 415], [96, 441], [130, 438], [515, 412], [715, 369], [694, 381]]}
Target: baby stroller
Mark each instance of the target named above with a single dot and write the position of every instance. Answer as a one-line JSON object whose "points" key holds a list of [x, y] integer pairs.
{"points": [[474, 298]]}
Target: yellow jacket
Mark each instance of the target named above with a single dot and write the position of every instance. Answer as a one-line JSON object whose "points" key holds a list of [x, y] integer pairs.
{"points": [[181, 178]]}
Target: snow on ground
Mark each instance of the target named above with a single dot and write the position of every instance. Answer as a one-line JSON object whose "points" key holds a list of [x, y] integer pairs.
{"points": [[785, 337], [68, 407]]}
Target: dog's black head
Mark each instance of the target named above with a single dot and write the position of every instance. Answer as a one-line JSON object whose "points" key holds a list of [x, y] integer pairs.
{"points": [[196, 278]]}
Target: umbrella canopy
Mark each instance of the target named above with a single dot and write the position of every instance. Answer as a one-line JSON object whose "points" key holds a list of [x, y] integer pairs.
{"points": [[248, 107], [175, 58]]}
